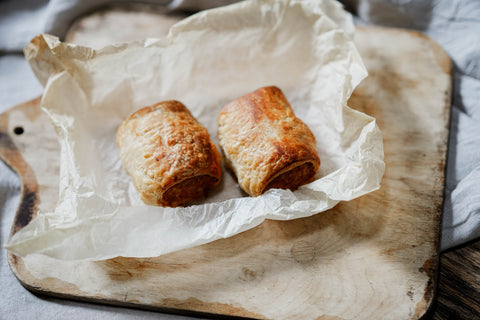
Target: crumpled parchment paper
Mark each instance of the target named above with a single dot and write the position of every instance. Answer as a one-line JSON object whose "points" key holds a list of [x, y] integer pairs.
{"points": [[303, 47]]}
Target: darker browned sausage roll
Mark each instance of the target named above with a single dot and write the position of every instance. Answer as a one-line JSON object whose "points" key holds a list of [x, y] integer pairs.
{"points": [[168, 154], [265, 144]]}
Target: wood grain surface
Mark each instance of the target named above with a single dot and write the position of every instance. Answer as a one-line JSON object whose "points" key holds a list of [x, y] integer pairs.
{"points": [[372, 258], [458, 291]]}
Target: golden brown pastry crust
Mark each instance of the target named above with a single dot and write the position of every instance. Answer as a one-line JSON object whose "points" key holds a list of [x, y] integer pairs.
{"points": [[168, 154], [265, 144]]}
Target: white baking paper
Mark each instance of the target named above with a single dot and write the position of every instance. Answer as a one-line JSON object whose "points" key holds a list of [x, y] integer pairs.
{"points": [[303, 47]]}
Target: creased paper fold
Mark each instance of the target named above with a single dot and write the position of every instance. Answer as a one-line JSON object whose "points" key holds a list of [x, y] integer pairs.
{"points": [[303, 47]]}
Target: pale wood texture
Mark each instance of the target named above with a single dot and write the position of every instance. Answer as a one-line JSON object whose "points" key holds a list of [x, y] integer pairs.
{"points": [[372, 258]]}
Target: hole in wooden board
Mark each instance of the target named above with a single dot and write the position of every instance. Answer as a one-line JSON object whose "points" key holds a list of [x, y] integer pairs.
{"points": [[18, 130]]}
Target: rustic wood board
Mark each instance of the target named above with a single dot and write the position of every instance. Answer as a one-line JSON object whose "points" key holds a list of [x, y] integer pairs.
{"points": [[458, 292], [372, 258]]}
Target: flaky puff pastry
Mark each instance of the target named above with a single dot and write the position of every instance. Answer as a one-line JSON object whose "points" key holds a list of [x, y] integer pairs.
{"points": [[265, 144], [168, 154]]}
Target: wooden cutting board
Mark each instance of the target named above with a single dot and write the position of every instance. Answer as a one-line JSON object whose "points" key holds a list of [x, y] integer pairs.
{"points": [[372, 258]]}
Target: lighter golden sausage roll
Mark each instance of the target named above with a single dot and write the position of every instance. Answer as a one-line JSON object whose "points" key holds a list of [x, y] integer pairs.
{"points": [[168, 154], [265, 144]]}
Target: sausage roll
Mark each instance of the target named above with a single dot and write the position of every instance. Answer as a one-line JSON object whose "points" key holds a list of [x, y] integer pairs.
{"points": [[168, 154], [265, 144]]}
